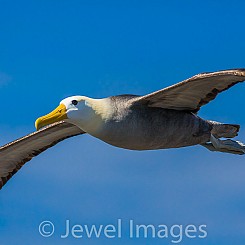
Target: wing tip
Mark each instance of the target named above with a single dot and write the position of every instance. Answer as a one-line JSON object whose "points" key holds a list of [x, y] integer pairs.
{"points": [[232, 71]]}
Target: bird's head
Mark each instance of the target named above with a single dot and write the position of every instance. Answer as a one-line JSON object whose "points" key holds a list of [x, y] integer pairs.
{"points": [[79, 110]]}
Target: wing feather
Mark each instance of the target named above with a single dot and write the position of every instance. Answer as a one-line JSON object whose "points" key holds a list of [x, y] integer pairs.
{"points": [[194, 92], [15, 154]]}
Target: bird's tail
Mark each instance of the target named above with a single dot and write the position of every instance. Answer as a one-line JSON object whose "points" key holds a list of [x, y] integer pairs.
{"points": [[220, 130]]}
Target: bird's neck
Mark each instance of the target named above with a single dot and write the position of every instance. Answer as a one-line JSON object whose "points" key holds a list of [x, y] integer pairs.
{"points": [[95, 115], [101, 108]]}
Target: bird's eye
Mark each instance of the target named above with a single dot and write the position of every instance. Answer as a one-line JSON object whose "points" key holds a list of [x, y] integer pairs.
{"points": [[74, 102]]}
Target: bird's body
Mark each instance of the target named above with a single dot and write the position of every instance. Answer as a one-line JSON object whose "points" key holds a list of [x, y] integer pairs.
{"points": [[160, 120], [139, 127]]}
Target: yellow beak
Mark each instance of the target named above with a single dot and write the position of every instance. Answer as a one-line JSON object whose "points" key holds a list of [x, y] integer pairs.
{"points": [[56, 115]]}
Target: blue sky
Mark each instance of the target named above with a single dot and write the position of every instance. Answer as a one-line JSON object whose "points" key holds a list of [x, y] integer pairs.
{"points": [[53, 49]]}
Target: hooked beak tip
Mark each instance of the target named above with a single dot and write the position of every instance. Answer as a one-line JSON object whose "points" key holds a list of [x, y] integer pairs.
{"points": [[56, 115]]}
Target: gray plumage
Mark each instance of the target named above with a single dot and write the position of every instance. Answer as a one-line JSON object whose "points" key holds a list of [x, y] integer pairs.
{"points": [[163, 119], [136, 126]]}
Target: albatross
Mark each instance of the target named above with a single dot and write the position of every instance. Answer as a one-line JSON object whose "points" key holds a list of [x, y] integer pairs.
{"points": [[160, 120]]}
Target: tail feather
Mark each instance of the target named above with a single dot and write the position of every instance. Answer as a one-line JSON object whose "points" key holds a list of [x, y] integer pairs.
{"points": [[220, 130]]}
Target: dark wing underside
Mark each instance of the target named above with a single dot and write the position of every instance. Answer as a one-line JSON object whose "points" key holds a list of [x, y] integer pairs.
{"points": [[15, 154], [194, 92]]}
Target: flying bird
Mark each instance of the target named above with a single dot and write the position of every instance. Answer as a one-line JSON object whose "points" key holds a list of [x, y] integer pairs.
{"points": [[163, 119]]}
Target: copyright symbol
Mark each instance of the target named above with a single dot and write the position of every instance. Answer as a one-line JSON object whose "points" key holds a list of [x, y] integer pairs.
{"points": [[46, 228]]}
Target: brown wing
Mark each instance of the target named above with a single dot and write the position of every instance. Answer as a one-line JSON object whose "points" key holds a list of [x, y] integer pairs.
{"points": [[15, 154], [194, 92]]}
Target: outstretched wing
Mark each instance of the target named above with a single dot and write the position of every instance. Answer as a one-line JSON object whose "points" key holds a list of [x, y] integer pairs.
{"points": [[194, 92], [15, 154]]}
